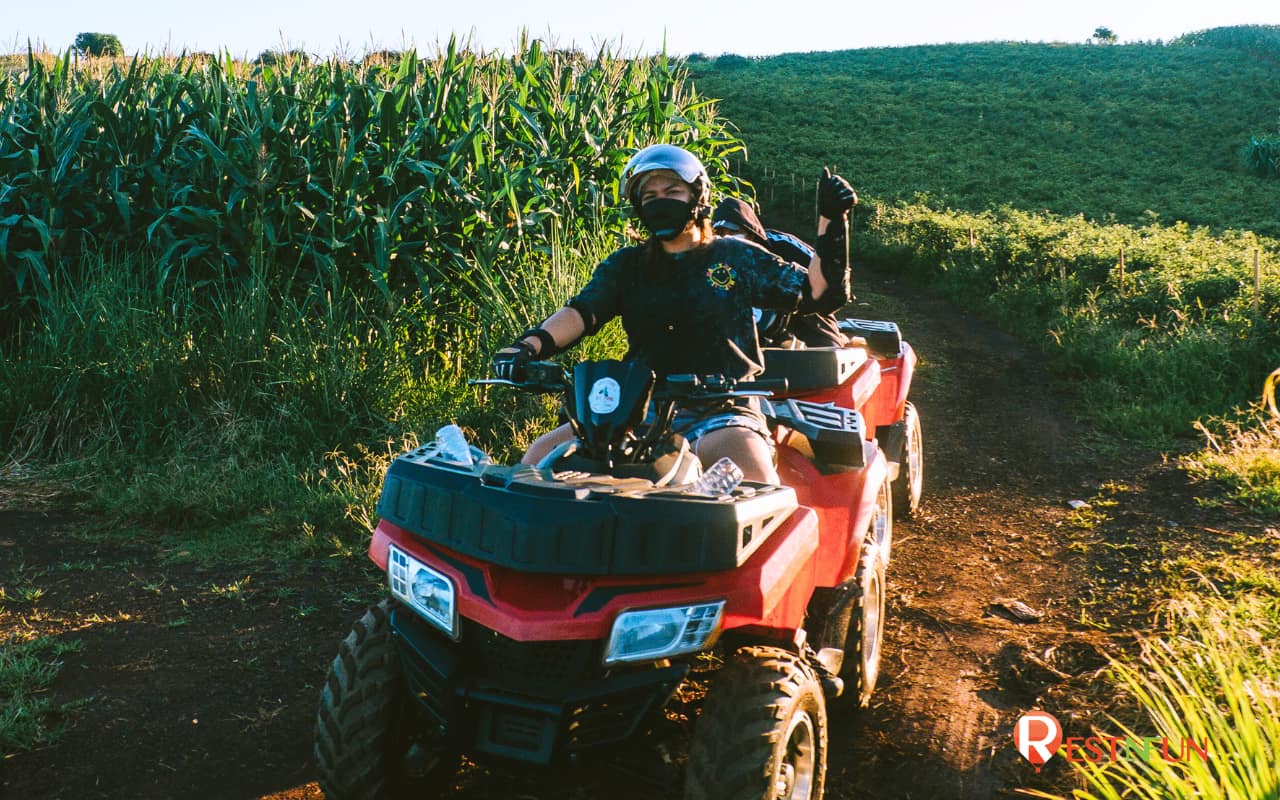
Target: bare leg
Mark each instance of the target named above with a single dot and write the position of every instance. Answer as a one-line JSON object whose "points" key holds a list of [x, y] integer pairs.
{"points": [[748, 450], [544, 444]]}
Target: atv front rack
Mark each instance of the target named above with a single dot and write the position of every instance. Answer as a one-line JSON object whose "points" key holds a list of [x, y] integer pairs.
{"points": [[883, 338], [836, 435], [574, 524]]}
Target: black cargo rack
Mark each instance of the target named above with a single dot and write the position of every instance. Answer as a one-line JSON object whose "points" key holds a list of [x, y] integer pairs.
{"points": [[584, 525], [883, 337], [836, 435], [812, 368]]}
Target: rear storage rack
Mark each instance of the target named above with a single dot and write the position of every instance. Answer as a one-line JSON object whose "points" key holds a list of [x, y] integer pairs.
{"points": [[812, 368], [525, 519]]}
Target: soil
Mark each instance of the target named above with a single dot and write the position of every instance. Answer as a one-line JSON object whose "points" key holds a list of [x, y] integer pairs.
{"points": [[202, 681]]}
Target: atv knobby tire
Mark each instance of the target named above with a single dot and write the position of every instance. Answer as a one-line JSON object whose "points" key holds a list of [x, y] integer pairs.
{"points": [[361, 733], [762, 734], [909, 485], [865, 635]]}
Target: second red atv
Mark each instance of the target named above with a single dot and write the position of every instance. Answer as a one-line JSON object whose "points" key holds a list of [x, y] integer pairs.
{"points": [[537, 614]]}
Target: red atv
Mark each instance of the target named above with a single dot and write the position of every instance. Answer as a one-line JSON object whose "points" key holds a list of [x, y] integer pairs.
{"points": [[537, 614]]}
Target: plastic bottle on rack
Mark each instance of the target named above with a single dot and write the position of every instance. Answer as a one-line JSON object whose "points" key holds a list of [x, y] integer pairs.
{"points": [[720, 479], [451, 445]]}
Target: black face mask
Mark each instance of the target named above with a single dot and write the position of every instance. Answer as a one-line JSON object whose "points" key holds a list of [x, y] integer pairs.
{"points": [[666, 217]]}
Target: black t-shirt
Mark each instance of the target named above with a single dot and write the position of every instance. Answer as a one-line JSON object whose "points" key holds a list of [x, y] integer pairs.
{"points": [[691, 311]]}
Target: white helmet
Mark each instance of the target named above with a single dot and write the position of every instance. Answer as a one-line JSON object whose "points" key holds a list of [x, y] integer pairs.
{"points": [[666, 157]]}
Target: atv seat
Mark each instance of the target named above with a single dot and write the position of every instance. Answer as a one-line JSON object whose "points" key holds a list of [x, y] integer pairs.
{"points": [[836, 435], [812, 369], [883, 337]]}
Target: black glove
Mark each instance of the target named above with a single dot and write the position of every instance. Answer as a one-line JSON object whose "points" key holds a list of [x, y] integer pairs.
{"points": [[835, 196], [509, 362]]}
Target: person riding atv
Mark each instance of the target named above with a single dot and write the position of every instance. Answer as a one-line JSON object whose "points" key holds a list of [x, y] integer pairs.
{"points": [[686, 300], [543, 614], [735, 217]]}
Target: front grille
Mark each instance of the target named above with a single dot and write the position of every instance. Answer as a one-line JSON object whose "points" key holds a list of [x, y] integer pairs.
{"points": [[517, 729], [610, 719], [502, 661], [429, 687]]}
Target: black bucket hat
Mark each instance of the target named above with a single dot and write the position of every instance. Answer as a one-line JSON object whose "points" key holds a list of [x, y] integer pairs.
{"points": [[733, 216]]}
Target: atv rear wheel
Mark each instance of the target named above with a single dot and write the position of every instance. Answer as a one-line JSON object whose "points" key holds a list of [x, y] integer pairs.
{"points": [[362, 744], [762, 734], [909, 485]]}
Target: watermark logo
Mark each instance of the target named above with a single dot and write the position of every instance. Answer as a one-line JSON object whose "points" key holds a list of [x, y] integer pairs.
{"points": [[1039, 738]]}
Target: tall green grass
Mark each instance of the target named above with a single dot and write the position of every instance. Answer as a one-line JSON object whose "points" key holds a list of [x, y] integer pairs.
{"points": [[259, 281], [258, 411], [390, 179], [1213, 676]]}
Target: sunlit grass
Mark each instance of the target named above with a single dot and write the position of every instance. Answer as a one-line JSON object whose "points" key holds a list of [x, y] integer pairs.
{"points": [[1211, 674], [1244, 452]]}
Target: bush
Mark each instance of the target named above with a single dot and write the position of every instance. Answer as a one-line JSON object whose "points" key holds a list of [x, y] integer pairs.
{"points": [[732, 61], [99, 44], [276, 58], [1262, 156]]}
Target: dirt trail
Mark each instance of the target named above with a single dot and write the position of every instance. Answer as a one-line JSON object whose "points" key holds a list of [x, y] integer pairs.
{"points": [[1002, 459], [197, 688]]}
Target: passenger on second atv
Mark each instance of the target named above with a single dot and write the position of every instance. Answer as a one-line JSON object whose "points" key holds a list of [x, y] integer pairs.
{"points": [[735, 217], [685, 297]]}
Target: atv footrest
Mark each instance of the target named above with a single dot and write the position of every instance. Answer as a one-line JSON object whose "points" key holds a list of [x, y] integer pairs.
{"points": [[883, 338], [835, 434]]}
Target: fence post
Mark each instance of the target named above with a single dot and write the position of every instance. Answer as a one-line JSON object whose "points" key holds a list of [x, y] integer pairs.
{"points": [[972, 241], [1257, 281], [1121, 271]]}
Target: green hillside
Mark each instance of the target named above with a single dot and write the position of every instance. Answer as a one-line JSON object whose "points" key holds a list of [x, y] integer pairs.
{"points": [[1105, 131], [1011, 178]]}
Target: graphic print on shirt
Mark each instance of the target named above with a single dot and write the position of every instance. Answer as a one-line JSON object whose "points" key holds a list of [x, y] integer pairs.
{"points": [[721, 277]]}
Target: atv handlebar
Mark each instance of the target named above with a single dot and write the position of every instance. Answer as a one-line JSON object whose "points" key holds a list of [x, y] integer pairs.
{"points": [[717, 387], [541, 377], [546, 377]]}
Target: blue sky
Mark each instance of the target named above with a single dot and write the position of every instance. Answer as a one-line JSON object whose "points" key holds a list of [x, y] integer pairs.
{"points": [[747, 27]]}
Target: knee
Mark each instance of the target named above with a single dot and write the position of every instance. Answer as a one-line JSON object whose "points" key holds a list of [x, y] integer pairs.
{"points": [[748, 450], [544, 444]]}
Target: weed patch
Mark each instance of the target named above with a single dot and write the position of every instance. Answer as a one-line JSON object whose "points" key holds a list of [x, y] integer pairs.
{"points": [[29, 718]]}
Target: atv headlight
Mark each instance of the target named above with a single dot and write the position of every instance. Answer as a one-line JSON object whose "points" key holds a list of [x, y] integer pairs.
{"points": [[662, 632], [423, 589]]}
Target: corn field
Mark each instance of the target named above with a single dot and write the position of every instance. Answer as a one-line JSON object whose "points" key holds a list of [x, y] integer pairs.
{"points": [[387, 178]]}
